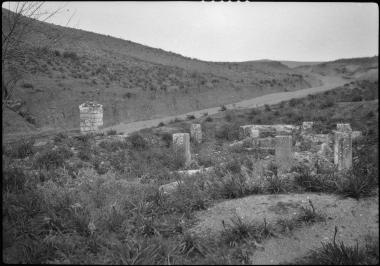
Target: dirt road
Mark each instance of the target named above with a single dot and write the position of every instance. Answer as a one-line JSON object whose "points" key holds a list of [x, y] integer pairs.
{"points": [[273, 98], [127, 128]]}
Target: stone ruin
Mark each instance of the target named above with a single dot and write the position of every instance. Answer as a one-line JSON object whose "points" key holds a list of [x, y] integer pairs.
{"points": [[283, 152], [196, 133], [343, 147], [341, 140], [254, 131], [181, 144], [307, 127], [91, 117], [282, 145]]}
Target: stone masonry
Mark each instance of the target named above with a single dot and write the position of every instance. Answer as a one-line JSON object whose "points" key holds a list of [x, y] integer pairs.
{"points": [[283, 152], [196, 132], [91, 117], [343, 127], [343, 150], [181, 144], [307, 127]]}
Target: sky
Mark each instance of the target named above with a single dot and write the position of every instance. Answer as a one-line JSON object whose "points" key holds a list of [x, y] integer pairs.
{"points": [[233, 31]]}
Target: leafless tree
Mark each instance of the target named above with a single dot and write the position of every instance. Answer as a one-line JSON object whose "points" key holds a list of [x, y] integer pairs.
{"points": [[16, 24]]}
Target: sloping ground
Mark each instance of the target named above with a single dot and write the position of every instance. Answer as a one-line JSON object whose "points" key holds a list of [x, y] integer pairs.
{"points": [[14, 122], [355, 219], [132, 81]]}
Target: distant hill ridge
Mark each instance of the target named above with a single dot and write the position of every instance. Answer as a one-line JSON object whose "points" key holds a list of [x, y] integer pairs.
{"points": [[65, 67]]}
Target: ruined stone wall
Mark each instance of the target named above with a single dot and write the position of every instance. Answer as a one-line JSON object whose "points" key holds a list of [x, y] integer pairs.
{"points": [[91, 117]]}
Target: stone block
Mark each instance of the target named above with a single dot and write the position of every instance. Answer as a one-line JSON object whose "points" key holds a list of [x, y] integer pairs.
{"points": [[283, 151], [356, 134], [181, 144], [196, 132], [307, 127], [343, 150], [90, 117], [343, 127]]}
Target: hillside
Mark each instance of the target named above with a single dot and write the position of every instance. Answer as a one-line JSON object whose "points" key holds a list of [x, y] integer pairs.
{"points": [[352, 68], [64, 67], [294, 64]]}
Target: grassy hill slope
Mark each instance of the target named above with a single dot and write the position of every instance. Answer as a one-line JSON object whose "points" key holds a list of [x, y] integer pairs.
{"points": [[63, 67]]}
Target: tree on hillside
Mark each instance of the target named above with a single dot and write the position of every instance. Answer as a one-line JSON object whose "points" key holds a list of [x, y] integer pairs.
{"points": [[16, 24]]}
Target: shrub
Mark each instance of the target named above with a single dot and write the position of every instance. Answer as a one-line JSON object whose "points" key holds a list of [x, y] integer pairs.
{"points": [[190, 117], [111, 132], [293, 102], [137, 142], [208, 119], [267, 108], [230, 116], [161, 124], [28, 86], [167, 138], [327, 102], [241, 230], [223, 108], [21, 149], [227, 132], [332, 253], [71, 55], [351, 185], [50, 159], [14, 178], [113, 145], [60, 137]]}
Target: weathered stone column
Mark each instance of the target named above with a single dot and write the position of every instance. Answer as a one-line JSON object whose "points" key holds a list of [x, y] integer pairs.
{"points": [[253, 133], [356, 134], [343, 150], [283, 152], [343, 127], [196, 132], [243, 131], [181, 144], [307, 127], [91, 117]]}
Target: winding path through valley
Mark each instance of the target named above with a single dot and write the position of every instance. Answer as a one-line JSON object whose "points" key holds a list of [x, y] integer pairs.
{"points": [[130, 127], [273, 98]]}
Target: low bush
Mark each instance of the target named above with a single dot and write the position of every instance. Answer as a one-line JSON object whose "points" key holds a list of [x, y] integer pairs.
{"points": [[223, 108], [113, 145], [332, 253], [111, 132], [50, 159], [227, 132], [20, 149], [60, 137], [190, 117], [28, 86], [208, 119], [137, 142], [240, 230]]}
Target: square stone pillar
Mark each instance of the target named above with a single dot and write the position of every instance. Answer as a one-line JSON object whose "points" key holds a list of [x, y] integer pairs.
{"points": [[343, 150], [181, 144], [283, 152], [91, 117], [243, 131], [343, 127], [356, 134], [196, 132], [253, 133], [307, 127]]}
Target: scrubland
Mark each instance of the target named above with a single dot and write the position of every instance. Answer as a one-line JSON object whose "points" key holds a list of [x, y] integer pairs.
{"points": [[95, 199]]}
